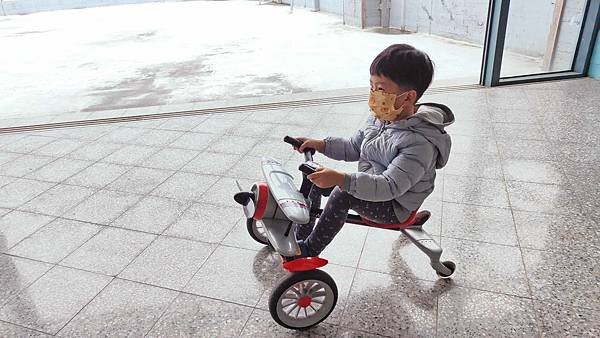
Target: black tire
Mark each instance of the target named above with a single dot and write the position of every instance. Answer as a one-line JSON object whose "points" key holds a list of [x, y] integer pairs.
{"points": [[318, 281], [255, 233], [450, 265]]}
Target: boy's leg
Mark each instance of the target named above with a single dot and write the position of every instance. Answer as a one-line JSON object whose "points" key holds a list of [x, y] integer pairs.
{"points": [[334, 216], [303, 230]]}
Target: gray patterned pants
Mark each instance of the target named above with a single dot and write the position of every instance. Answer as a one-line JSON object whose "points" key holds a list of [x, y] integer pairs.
{"points": [[334, 215]]}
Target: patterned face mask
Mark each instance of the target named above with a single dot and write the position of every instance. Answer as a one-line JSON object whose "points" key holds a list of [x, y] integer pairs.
{"points": [[382, 105]]}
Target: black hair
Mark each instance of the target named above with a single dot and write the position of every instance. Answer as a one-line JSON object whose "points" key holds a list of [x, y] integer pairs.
{"points": [[406, 66]]}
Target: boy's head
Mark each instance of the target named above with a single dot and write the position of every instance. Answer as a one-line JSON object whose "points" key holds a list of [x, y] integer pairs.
{"points": [[402, 70]]}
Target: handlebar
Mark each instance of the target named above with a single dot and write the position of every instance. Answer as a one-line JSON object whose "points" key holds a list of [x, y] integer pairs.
{"points": [[308, 152]]}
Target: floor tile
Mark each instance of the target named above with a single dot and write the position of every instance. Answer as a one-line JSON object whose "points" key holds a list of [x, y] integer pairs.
{"points": [[94, 151], [157, 137], [98, 175], [49, 303], [58, 199], [168, 262], [569, 276], [20, 191], [212, 163], [215, 125], [479, 223], [17, 225], [194, 316], [27, 144], [273, 147], [124, 246], [122, 135], [60, 147], [547, 198], [17, 274], [391, 305], [533, 171], [170, 158], [573, 152], [58, 170], [185, 186], [489, 267], [519, 131], [240, 238], [469, 312], [545, 231], [193, 141], [472, 128], [529, 149], [473, 145], [139, 180], [130, 155], [393, 253], [261, 322], [205, 222], [473, 190], [24, 165], [123, 308], [184, 123], [232, 144], [103, 207], [560, 320], [223, 190], [248, 129], [151, 214], [11, 330], [228, 275], [248, 167], [345, 249], [55, 241], [474, 165], [8, 157]]}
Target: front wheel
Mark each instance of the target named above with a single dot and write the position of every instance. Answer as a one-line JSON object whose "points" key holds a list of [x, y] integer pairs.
{"points": [[257, 231], [303, 299]]}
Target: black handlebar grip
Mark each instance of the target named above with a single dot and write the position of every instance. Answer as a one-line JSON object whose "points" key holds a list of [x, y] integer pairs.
{"points": [[296, 144]]}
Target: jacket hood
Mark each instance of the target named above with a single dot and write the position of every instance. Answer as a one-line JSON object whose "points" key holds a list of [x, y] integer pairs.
{"points": [[430, 120]]}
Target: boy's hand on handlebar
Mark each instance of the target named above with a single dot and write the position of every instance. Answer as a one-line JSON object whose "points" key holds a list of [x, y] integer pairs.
{"points": [[326, 178], [318, 145]]}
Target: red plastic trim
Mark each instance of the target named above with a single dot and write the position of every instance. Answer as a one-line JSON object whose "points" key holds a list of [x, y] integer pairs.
{"points": [[411, 219], [304, 264], [261, 203]]}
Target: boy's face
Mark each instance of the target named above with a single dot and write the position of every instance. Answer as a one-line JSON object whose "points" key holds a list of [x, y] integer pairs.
{"points": [[389, 86]]}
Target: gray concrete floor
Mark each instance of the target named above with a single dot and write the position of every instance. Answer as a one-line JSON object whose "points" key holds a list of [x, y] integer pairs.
{"points": [[131, 229]]}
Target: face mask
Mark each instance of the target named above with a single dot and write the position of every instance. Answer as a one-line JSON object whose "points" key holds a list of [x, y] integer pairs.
{"points": [[382, 105]]}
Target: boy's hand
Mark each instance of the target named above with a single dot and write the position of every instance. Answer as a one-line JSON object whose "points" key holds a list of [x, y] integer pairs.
{"points": [[318, 145], [326, 178]]}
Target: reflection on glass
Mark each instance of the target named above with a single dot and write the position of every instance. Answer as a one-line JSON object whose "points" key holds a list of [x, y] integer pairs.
{"points": [[541, 36]]}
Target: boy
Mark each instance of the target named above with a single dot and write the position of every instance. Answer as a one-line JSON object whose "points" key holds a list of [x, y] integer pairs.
{"points": [[398, 151]]}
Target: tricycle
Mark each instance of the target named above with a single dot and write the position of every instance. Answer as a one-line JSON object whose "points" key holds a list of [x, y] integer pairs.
{"points": [[306, 295]]}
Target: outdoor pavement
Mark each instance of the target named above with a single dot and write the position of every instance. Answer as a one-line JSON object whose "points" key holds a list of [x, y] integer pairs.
{"points": [[175, 53], [130, 229]]}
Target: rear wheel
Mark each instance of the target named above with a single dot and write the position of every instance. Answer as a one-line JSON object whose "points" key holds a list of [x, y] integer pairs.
{"points": [[303, 299], [257, 231]]}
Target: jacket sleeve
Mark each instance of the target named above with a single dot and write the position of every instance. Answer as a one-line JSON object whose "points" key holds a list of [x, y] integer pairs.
{"points": [[344, 149], [407, 168]]}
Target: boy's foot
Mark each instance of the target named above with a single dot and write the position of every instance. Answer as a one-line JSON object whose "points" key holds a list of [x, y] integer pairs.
{"points": [[303, 252], [421, 218]]}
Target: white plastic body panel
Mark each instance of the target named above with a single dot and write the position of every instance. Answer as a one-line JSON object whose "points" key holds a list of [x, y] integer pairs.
{"points": [[284, 191]]}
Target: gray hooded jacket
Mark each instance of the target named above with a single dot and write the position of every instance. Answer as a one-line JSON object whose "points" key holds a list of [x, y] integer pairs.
{"points": [[396, 161]]}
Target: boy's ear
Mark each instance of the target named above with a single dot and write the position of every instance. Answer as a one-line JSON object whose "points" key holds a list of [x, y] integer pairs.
{"points": [[412, 96]]}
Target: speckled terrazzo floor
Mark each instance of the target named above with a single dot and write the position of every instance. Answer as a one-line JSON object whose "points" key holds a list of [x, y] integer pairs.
{"points": [[130, 229]]}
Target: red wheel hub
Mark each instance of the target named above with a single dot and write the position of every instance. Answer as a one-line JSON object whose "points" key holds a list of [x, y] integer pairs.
{"points": [[304, 301]]}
